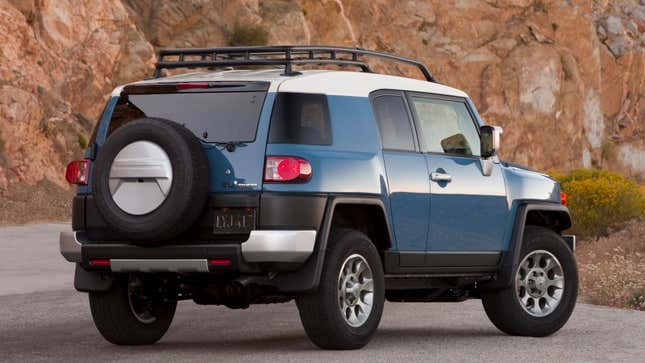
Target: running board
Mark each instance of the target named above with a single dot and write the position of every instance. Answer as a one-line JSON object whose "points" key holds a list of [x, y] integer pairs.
{"points": [[434, 281]]}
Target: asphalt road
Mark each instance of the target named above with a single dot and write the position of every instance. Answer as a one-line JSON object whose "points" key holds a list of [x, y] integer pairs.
{"points": [[43, 319]]}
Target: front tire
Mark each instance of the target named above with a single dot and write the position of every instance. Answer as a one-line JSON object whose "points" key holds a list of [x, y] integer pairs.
{"points": [[130, 314], [544, 290], [346, 309]]}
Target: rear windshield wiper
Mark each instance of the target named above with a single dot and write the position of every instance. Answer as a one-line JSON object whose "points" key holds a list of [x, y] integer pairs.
{"points": [[230, 145]]}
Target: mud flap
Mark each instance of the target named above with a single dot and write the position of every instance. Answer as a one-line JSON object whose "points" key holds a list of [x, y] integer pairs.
{"points": [[86, 281]]}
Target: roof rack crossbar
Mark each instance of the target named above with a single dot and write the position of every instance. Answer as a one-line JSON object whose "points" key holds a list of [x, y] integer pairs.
{"points": [[279, 55]]}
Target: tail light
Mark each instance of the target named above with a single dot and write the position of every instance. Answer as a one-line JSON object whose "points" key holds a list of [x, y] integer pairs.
{"points": [[77, 172], [563, 198], [219, 262], [100, 262], [285, 169]]}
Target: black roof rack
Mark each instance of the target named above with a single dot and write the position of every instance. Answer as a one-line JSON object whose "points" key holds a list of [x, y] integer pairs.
{"points": [[280, 55]]}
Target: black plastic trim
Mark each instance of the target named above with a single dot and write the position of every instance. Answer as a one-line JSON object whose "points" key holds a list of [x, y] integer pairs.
{"points": [[510, 257], [234, 200], [307, 278], [86, 281], [78, 213], [291, 211], [440, 262]]}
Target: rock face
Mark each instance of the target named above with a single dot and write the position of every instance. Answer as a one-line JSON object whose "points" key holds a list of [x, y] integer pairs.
{"points": [[58, 62], [565, 78]]}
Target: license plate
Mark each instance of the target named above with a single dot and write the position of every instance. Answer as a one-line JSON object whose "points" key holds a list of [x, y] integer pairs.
{"points": [[234, 220]]}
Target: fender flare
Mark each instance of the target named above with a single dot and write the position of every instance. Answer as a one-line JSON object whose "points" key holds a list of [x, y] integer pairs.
{"points": [[307, 278], [510, 257]]}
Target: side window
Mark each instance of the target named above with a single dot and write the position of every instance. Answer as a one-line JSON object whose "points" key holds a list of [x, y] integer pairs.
{"points": [[446, 126], [394, 123], [300, 118]]}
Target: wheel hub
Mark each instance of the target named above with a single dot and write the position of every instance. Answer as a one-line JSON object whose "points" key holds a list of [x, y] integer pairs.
{"points": [[536, 282], [539, 283], [140, 177], [140, 304], [355, 290]]}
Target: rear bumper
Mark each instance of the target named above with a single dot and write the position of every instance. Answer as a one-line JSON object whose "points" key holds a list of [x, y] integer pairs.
{"points": [[263, 246]]}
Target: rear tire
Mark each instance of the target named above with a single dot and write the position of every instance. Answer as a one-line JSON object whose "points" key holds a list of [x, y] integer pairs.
{"points": [[321, 313], [513, 309], [122, 321]]}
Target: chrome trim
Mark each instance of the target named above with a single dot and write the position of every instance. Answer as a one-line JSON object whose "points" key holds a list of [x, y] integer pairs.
{"points": [[165, 265], [440, 177], [570, 239], [70, 248], [279, 246], [497, 135]]}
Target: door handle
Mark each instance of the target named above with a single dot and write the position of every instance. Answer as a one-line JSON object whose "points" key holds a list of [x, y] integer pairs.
{"points": [[440, 177]]}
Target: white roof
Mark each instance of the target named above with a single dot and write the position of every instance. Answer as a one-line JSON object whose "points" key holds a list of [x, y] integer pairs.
{"points": [[341, 83], [360, 84]]}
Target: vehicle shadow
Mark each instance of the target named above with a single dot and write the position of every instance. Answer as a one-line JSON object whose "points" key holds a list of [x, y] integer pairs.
{"points": [[294, 341]]}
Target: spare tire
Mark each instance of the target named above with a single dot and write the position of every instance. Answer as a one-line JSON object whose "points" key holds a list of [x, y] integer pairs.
{"points": [[150, 180]]}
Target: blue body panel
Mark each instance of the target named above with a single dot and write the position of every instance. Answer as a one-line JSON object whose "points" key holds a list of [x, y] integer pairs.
{"points": [[409, 198], [101, 132], [470, 212]]}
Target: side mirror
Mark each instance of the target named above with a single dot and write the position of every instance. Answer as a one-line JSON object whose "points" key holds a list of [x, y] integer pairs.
{"points": [[490, 140]]}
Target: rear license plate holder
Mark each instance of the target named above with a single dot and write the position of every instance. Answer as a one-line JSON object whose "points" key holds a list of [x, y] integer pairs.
{"points": [[233, 220]]}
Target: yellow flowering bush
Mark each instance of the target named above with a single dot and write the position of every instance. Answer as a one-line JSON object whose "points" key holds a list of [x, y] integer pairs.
{"points": [[600, 200]]}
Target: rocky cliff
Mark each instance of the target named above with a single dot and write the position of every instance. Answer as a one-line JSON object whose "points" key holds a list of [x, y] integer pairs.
{"points": [[566, 78]]}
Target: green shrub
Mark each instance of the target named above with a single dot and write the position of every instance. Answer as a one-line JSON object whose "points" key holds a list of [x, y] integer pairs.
{"points": [[600, 200], [2, 143], [248, 34], [82, 141]]}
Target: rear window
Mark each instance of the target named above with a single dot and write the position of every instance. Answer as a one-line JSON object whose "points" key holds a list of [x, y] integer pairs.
{"points": [[212, 116], [300, 118]]}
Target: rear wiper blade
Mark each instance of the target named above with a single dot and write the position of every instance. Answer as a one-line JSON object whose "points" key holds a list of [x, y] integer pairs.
{"points": [[231, 145]]}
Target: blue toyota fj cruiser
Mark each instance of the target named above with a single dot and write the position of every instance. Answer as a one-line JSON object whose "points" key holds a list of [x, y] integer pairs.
{"points": [[337, 189]]}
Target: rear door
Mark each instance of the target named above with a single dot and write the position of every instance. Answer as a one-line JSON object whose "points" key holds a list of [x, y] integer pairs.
{"points": [[406, 174], [468, 209]]}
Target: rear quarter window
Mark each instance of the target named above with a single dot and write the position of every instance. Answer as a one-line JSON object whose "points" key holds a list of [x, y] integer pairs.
{"points": [[300, 118]]}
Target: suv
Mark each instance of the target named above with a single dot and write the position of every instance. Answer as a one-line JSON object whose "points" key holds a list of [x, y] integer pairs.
{"points": [[338, 189]]}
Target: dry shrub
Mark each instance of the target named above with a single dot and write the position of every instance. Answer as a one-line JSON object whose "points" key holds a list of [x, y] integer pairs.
{"points": [[600, 200], [248, 34], [612, 268]]}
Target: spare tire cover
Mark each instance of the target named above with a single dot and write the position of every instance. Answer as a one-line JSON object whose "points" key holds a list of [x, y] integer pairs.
{"points": [[150, 180]]}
